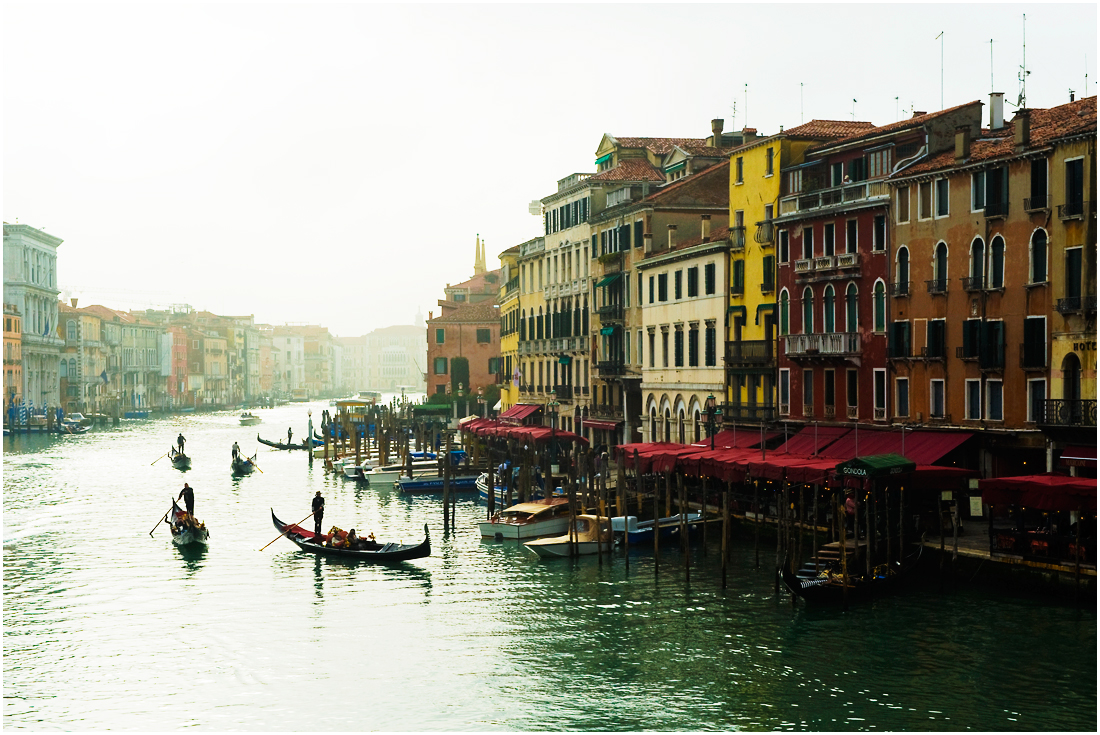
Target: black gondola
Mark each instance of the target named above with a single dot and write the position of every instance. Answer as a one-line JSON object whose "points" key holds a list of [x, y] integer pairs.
{"points": [[243, 465], [370, 551], [284, 445], [179, 460], [827, 587]]}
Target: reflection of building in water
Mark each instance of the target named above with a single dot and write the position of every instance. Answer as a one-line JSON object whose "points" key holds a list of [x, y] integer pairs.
{"points": [[386, 359]]}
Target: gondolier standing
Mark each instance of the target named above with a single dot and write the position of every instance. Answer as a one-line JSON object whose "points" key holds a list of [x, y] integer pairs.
{"points": [[236, 450], [318, 514], [180, 442], [188, 496], [289, 434]]}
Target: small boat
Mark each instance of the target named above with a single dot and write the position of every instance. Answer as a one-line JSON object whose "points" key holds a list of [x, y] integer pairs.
{"points": [[390, 473], [529, 520], [249, 419], [80, 418], [179, 460], [69, 426], [588, 533], [827, 587], [186, 530], [136, 415], [243, 465], [642, 531], [462, 483], [502, 492], [353, 471], [284, 445], [368, 550]]}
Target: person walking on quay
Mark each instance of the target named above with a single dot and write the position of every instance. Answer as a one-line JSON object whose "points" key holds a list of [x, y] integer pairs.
{"points": [[188, 496], [180, 441], [236, 450], [318, 515]]}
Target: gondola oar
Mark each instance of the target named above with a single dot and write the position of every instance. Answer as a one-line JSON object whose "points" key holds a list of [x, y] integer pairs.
{"points": [[252, 459], [162, 520], [269, 543], [158, 459]]}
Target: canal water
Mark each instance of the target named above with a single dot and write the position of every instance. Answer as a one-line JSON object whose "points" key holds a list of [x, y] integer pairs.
{"points": [[107, 627]]}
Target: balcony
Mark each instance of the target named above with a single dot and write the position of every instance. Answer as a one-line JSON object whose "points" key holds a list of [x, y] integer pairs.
{"points": [[610, 368], [1075, 210], [745, 413], [1033, 356], [808, 410], [853, 412], [612, 263], [749, 352], [937, 286], [737, 239], [973, 283], [824, 262], [830, 412], [880, 414], [1037, 204], [563, 392], [898, 290], [765, 232], [1060, 412], [835, 196], [962, 354], [847, 260], [606, 412], [996, 210], [834, 344], [806, 265], [1076, 304], [933, 352], [610, 313]]}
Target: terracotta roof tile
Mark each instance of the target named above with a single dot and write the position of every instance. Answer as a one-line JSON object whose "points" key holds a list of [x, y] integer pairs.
{"points": [[716, 235], [659, 146], [486, 311], [832, 129], [709, 186], [913, 122], [632, 169]]}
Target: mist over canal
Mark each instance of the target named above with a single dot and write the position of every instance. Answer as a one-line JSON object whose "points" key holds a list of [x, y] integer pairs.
{"points": [[105, 627]]}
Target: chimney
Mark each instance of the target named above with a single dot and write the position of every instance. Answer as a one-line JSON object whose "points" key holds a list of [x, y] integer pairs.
{"points": [[647, 243], [671, 237], [962, 143], [74, 300], [1071, 95], [1021, 129], [748, 134], [706, 227], [716, 126], [996, 110], [918, 113]]}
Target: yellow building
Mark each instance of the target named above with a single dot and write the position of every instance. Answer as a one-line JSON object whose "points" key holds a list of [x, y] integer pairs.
{"points": [[755, 186], [509, 327], [532, 359]]}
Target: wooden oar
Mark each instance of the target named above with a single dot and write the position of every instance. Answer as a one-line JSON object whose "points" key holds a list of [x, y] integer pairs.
{"points": [[269, 543], [162, 520], [252, 459], [158, 459]]}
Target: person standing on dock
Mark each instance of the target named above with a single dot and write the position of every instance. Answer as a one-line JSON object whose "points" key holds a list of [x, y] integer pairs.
{"points": [[188, 496], [318, 515], [180, 442]]}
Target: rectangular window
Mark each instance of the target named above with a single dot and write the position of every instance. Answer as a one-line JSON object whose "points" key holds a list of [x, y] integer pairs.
{"points": [[483, 336], [679, 343], [1036, 399], [902, 400], [737, 285], [900, 343], [711, 356], [740, 171], [850, 245], [994, 400], [878, 242], [943, 204], [1075, 186], [678, 284], [807, 243], [1035, 342], [440, 388], [769, 162], [903, 204], [972, 338], [639, 342], [767, 285], [936, 345], [439, 335], [693, 347], [494, 365], [662, 287], [852, 390], [693, 282], [664, 348], [651, 299], [880, 394], [973, 399], [641, 293], [652, 349], [924, 200], [784, 247], [830, 239], [808, 392], [626, 346], [440, 366], [1038, 183], [935, 399], [785, 391], [639, 231], [708, 278], [830, 390], [977, 191]]}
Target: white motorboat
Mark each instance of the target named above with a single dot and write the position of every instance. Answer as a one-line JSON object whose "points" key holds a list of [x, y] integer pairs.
{"points": [[249, 419], [529, 520], [388, 474], [587, 533], [353, 471]]}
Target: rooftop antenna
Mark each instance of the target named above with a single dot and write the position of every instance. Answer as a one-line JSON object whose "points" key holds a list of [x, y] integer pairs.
{"points": [[991, 87], [897, 115], [1023, 75], [746, 104], [802, 101], [940, 37], [853, 109], [733, 115]]}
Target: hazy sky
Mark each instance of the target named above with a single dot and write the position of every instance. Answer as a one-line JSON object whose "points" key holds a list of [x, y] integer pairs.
{"points": [[333, 164]]}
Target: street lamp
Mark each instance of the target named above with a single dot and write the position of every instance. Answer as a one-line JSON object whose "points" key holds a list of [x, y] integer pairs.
{"points": [[710, 404], [481, 401]]}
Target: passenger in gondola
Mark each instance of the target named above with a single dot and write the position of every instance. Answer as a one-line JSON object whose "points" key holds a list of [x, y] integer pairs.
{"points": [[188, 496], [318, 515], [352, 541]]}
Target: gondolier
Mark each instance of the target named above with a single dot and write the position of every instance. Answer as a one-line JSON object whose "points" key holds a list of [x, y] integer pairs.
{"points": [[188, 496], [236, 450], [180, 441], [289, 434], [318, 514]]}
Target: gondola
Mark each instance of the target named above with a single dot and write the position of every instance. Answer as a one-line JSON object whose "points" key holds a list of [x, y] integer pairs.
{"points": [[827, 588], [186, 530], [243, 465], [179, 460], [284, 445], [372, 551]]}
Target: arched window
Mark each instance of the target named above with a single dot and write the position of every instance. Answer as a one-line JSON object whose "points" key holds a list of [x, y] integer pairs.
{"points": [[977, 262], [523, 325], [880, 306], [72, 368], [939, 267], [851, 308], [829, 309], [1039, 256], [64, 369], [808, 311], [901, 280], [997, 263], [70, 330], [668, 429], [539, 324], [680, 430], [1071, 379], [784, 313]]}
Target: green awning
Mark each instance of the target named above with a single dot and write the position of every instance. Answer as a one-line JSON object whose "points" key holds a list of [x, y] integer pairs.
{"points": [[607, 280], [676, 167], [607, 330], [565, 360], [603, 159], [739, 310], [876, 465], [764, 307]]}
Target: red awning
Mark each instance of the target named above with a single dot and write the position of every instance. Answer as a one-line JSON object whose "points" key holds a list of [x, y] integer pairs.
{"points": [[1079, 457], [805, 441], [921, 447], [730, 439], [519, 412], [597, 424], [1044, 492], [773, 468]]}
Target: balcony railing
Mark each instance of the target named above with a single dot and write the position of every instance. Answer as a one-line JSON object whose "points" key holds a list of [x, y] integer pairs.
{"points": [[1070, 210], [563, 392], [610, 313], [745, 412], [765, 232], [834, 196], [830, 412], [847, 260], [806, 265], [899, 289], [833, 344], [973, 283], [880, 414], [1037, 204], [937, 285], [1075, 304], [767, 287], [606, 411], [749, 352], [808, 409], [933, 351], [1033, 356], [996, 209], [609, 368], [1060, 412], [853, 412], [824, 262], [737, 239]]}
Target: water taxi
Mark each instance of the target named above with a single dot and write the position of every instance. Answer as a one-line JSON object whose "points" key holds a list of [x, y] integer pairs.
{"points": [[586, 535], [529, 520]]}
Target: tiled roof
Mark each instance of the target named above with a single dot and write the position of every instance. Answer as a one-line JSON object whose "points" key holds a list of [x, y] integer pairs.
{"points": [[486, 311], [913, 122], [104, 312], [1047, 126], [480, 284], [716, 235], [831, 129], [632, 169], [704, 150], [709, 187], [659, 146]]}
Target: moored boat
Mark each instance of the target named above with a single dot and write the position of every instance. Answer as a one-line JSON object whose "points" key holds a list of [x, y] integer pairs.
{"points": [[529, 520], [585, 537], [179, 460], [186, 529], [334, 543], [642, 531], [462, 483], [827, 585]]}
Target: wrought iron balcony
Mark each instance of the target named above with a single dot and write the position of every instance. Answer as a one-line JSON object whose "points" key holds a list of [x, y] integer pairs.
{"points": [[765, 232], [1037, 204], [933, 351], [937, 285], [563, 392], [835, 196], [1072, 210], [1060, 412], [973, 283], [996, 209], [833, 344], [610, 368], [737, 239], [606, 411], [899, 289], [610, 313], [767, 287], [749, 352], [1069, 305]]}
